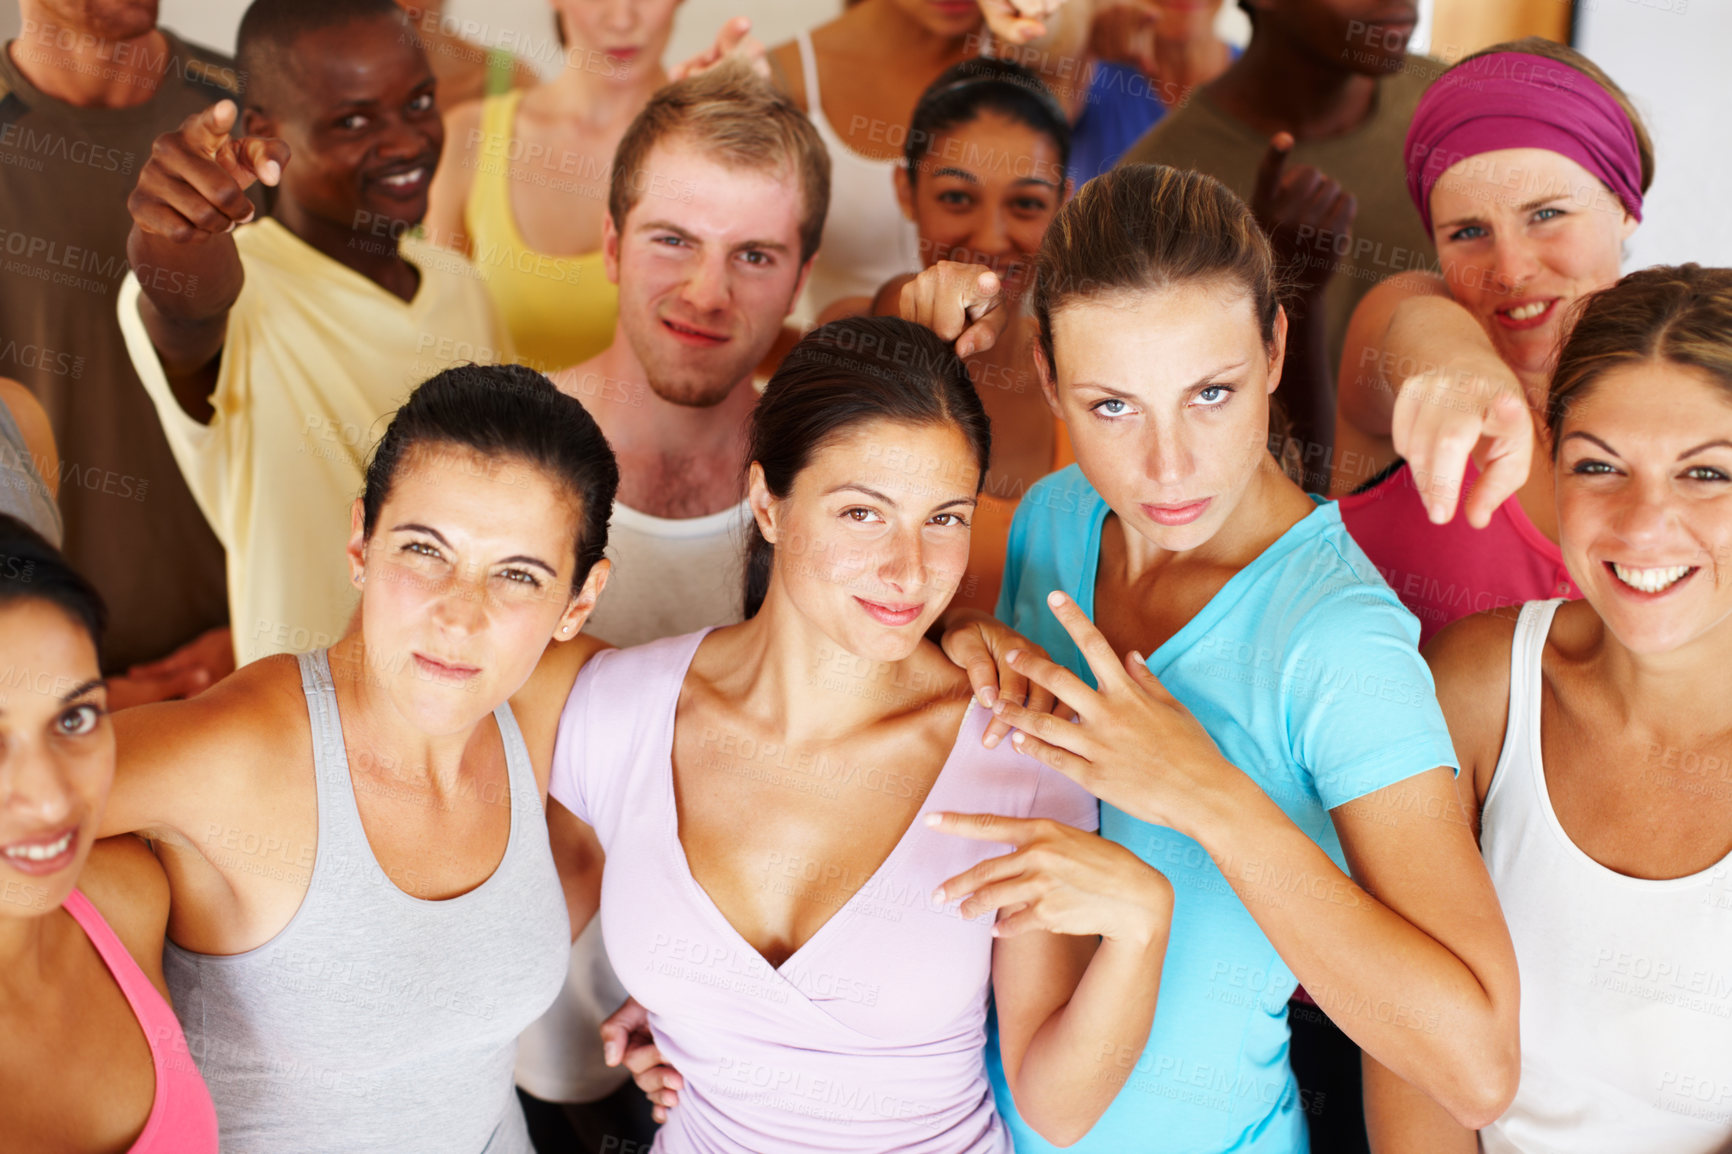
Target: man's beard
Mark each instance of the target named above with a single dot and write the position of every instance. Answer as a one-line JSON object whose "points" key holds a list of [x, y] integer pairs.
{"points": [[699, 381]]}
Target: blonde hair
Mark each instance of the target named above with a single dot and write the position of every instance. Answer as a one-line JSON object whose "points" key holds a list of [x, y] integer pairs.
{"points": [[729, 114]]}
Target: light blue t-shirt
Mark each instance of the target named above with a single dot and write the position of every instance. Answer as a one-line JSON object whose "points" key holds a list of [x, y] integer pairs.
{"points": [[1304, 670]]}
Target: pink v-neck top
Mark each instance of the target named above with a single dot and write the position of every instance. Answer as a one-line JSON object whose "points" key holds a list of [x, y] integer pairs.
{"points": [[182, 1120], [870, 1036]]}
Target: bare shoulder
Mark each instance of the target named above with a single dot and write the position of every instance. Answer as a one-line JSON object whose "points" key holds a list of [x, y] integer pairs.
{"points": [[179, 760], [786, 73], [538, 705], [1469, 661], [126, 884]]}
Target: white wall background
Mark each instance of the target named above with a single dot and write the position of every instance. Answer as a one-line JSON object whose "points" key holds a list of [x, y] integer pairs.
{"points": [[213, 22], [1671, 57]]}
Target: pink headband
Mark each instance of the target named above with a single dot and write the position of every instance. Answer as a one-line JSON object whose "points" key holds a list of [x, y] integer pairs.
{"points": [[1520, 100]]}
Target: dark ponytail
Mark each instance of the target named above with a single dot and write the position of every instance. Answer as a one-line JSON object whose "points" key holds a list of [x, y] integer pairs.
{"points": [[845, 374], [505, 411], [32, 569]]}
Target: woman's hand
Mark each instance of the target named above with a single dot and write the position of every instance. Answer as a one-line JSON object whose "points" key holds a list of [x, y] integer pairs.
{"points": [[978, 642], [1018, 21], [735, 38], [962, 303], [1133, 744], [625, 1037], [1059, 879], [1444, 413]]}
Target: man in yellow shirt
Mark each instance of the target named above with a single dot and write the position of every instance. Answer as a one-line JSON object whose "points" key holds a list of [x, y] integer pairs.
{"points": [[275, 349]]}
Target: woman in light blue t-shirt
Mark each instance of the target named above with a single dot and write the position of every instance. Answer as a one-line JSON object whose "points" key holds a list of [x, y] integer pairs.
{"points": [[1279, 753]]}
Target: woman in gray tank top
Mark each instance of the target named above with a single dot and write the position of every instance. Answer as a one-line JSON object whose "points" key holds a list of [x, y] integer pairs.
{"points": [[26, 453], [366, 910]]}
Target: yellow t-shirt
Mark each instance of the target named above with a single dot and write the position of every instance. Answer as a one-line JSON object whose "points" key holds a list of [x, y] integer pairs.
{"points": [[560, 309], [315, 361]]}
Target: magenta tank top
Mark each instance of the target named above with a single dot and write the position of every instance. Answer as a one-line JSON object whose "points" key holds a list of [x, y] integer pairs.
{"points": [[869, 1038], [1449, 571], [182, 1119]]}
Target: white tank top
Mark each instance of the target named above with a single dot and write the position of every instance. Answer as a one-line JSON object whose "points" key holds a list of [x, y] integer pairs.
{"points": [[670, 577], [866, 239], [1626, 983]]}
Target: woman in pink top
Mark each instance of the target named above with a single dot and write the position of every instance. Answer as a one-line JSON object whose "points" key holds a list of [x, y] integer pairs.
{"points": [[802, 881], [91, 1057], [1528, 165]]}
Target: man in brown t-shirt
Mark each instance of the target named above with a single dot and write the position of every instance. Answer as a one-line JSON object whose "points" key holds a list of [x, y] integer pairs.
{"points": [[84, 90], [1344, 86]]}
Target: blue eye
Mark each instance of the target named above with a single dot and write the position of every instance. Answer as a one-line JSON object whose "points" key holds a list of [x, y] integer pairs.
{"points": [[1101, 407], [1471, 232], [1212, 396], [1548, 214]]}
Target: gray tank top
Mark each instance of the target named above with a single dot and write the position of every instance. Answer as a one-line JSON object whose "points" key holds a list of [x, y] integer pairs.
{"points": [[22, 492], [376, 1021]]}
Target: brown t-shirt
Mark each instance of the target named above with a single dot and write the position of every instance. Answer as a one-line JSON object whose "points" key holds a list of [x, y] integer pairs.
{"points": [[1387, 236], [65, 173]]}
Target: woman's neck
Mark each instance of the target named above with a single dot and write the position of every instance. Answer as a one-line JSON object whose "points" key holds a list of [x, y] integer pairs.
{"points": [[1269, 506], [25, 956], [1673, 698], [587, 94], [880, 25], [796, 681], [371, 720]]}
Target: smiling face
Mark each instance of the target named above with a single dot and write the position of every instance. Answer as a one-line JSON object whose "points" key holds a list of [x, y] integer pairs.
{"points": [[1165, 394], [708, 266], [985, 194], [1644, 490], [872, 539], [624, 35], [355, 106], [56, 755], [1522, 233], [467, 577]]}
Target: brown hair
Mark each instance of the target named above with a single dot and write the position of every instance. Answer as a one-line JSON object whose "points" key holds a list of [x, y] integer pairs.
{"points": [[730, 115], [841, 376], [1552, 50], [1145, 227], [1675, 314]]}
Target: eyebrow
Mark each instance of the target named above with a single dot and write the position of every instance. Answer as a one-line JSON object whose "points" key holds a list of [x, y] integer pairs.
{"points": [[93, 684], [1525, 206], [684, 234], [1722, 443], [1205, 379], [965, 175], [885, 498], [514, 559]]}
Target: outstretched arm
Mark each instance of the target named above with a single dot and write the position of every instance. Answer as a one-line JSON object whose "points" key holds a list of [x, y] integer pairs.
{"points": [[1419, 378], [191, 194]]}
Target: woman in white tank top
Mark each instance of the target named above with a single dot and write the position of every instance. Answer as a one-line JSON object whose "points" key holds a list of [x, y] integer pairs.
{"points": [[873, 62], [1596, 744]]}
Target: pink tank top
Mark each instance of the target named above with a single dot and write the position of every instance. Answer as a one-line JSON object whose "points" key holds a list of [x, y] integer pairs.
{"points": [[1445, 572], [182, 1119]]}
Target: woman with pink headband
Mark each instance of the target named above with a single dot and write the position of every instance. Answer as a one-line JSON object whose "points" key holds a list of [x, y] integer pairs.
{"points": [[1528, 165]]}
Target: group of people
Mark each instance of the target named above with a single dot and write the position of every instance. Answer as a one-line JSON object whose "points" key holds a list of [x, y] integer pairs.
{"points": [[861, 596]]}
